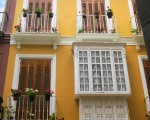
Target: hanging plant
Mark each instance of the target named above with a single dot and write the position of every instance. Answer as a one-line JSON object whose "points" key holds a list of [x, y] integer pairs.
{"points": [[25, 12]]}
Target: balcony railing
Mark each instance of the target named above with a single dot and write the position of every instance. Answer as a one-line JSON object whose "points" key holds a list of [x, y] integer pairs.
{"points": [[44, 24], [101, 24], [3, 21], [23, 108]]}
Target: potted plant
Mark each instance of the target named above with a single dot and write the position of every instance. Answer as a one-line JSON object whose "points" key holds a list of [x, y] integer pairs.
{"points": [[135, 31], [48, 93], [15, 93], [38, 12], [52, 116], [18, 28], [109, 13], [31, 93], [96, 14], [25, 12], [81, 30], [50, 13], [84, 13], [30, 116]]}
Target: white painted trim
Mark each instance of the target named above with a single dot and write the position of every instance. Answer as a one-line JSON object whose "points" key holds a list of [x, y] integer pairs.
{"points": [[133, 23], [23, 24], [109, 21], [53, 74], [79, 14], [140, 59], [54, 9]]}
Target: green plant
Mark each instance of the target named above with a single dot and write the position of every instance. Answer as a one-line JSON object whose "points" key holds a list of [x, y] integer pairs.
{"points": [[38, 10], [134, 30], [25, 10], [15, 92], [50, 13], [52, 116], [31, 92], [81, 30], [109, 12]]}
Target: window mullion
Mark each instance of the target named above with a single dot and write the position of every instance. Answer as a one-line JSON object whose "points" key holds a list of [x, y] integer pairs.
{"points": [[90, 71], [113, 72]]}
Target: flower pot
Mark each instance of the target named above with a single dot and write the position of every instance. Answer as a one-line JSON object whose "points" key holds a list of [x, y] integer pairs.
{"points": [[24, 14], [47, 97], [50, 16], [84, 16], [15, 98], [38, 15], [96, 16], [31, 98], [109, 14]]}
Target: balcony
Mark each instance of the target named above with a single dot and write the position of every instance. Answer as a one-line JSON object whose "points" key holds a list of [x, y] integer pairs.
{"points": [[3, 22], [37, 31], [19, 110], [96, 29], [138, 34]]}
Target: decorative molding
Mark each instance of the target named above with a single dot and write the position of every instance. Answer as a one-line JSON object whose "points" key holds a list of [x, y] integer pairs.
{"points": [[36, 39], [97, 37], [139, 40], [65, 40]]}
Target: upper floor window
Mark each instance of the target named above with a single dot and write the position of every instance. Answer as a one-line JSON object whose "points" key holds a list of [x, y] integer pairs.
{"points": [[135, 21], [100, 70], [92, 6], [96, 20], [42, 22]]}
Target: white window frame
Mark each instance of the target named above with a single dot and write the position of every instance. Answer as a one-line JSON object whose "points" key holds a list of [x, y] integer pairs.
{"points": [[103, 110], [79, 9], [54, 10], [132, 18], [144, 83], [115, 92], [52, 79]]}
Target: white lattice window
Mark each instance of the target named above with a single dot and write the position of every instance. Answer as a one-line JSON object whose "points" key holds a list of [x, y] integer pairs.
{"points": [[101, 70], [103, 109]]}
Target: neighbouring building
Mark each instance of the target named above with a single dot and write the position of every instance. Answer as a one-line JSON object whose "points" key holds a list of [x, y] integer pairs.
{"points": [[97, 68]]}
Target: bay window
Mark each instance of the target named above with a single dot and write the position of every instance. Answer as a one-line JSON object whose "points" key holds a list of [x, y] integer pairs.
{"points": [[100, 70]]}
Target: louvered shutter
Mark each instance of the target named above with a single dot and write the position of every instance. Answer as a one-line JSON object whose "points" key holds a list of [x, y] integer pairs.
{"points": [[35, 74], [147, 73]]}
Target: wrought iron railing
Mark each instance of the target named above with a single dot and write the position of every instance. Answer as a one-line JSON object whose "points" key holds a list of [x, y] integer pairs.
{"points": [[3, 21], [147, 102], [24, 109], [100, 24], [32, 23]]}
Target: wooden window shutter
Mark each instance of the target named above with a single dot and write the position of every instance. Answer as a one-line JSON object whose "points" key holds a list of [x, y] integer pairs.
{"points": [[147, 73], [35, 74]]}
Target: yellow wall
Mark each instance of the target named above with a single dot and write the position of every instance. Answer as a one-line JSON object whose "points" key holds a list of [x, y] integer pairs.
{"points": [[121, 12], [67, 106]]}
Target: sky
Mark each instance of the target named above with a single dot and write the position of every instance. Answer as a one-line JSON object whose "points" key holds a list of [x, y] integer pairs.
{"points": [[2, 4]]}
